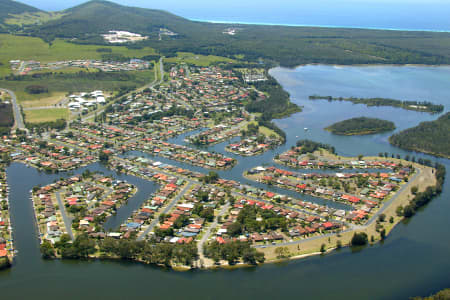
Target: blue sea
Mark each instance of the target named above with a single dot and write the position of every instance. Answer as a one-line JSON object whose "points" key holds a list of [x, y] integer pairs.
{"points": [[430, 15]]}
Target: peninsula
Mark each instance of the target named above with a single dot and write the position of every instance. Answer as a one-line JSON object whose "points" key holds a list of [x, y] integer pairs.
{"points": [[422, 106], [429, 137]]}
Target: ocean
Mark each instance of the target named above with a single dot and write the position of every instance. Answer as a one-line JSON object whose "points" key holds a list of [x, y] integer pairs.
{"points": [[429, 15]]}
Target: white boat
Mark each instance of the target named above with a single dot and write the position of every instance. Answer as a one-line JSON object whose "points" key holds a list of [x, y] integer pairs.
{"points": [[306, 128]]}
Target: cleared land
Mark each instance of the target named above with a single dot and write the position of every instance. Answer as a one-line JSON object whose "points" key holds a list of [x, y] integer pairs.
{"points": [[33, 18], [18, 47], [197, 59], [46, 115]]}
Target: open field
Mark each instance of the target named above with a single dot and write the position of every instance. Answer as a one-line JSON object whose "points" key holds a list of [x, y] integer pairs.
{"points": [[197, 59], [52, 99], [18, 47], [262, 129], [59, 84], [46, 115], [33, 18]]}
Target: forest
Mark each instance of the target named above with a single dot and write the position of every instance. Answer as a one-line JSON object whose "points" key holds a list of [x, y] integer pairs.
{"points": [[423, 106], [308, 146], [361, 126], [287, 46], [6, 118], [429, 137]]}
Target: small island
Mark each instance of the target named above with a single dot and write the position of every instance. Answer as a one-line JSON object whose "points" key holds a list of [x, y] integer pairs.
{"points": [[422, 106], [428, 137], [361, 126]]}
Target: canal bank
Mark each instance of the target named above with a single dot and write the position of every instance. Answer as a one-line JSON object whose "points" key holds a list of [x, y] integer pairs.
{"points": [[381, 271]]}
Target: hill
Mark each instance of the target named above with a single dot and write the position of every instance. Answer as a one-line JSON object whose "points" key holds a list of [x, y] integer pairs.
{"points": [[87, 21], [13, 7], [361, 126], [286, 45], [429, 137]]}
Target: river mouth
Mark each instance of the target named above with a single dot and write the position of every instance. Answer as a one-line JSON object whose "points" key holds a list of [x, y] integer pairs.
{"points": [[420, 244]]}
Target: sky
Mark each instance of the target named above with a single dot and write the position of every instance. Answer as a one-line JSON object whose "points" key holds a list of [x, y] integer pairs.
{"points": [[395, 14]]}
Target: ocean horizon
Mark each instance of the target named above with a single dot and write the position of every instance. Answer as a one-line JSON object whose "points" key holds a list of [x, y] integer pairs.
{"points": [[312, 25], [410, 15]]}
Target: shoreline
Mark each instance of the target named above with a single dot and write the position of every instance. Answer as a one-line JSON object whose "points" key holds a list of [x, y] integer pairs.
{"points": [[225, 22], [372, 65]]}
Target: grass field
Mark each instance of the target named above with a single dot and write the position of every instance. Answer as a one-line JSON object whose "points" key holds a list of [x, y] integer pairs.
{"points": [[19, 47], [263, 130], [46, 115], [57, 86], [35, 18], [52, 99], [195, 59]]}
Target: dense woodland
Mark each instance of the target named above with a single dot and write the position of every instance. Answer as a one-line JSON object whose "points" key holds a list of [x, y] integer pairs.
{"points": [[424, 106], [286, 45], [429, 137], [361, 126], [6, 118], [276, 105], [149, 252], [308, 146], [422, 198]]}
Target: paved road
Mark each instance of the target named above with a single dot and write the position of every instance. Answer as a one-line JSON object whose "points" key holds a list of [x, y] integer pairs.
{"points": [[353, 227], [150, 85], [66, 219], [166, 210], [19, 124], [208, 231]]}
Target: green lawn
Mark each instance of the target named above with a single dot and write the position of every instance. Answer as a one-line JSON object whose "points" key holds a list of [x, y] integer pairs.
{"points": [[196, 59], [46, 115]]}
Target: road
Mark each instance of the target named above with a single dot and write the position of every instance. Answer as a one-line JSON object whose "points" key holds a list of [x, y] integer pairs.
{"points": [[208, 231], [19, 124], [166, 210], [150, 85], [352, 227], [66, 219]]}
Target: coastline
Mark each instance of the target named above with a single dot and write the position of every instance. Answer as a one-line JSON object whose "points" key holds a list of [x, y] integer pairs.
{"points": [[316, 26]]}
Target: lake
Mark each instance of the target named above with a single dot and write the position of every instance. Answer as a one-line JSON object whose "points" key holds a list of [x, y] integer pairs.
{"points": [[414, 260]]}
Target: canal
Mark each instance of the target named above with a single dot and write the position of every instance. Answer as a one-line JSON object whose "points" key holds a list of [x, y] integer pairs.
{"points": [[414, 260]]}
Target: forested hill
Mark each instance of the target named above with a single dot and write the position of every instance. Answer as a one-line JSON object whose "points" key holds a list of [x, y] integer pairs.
{"points": [[286, 45], [429, 137], [12, 7], [87, 21]]}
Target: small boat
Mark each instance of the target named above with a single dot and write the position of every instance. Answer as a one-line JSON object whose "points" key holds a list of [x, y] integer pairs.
{"points": [[306, 128]]}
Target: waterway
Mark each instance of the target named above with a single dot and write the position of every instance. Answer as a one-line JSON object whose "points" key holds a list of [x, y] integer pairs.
{"points": [[414, 260]]}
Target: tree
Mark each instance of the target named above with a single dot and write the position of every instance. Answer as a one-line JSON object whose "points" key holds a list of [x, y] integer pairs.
{"points": [[359, 239], [282, 252], [414, 190], [322, 248], [47, 250], [103, 157]]}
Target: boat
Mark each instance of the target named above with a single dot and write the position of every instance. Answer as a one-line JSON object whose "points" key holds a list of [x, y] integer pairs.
{"points": [[306, 128]]}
